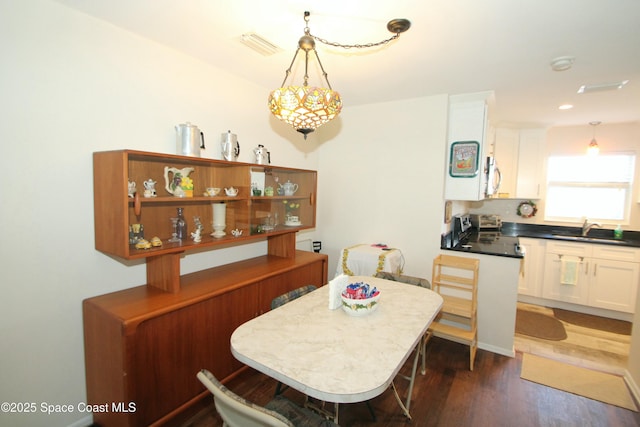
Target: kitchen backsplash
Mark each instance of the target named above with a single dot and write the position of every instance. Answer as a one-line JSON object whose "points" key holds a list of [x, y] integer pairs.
{"points": [[507, 209]]}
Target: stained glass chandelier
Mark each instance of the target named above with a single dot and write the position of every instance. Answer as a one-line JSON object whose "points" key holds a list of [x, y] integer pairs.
{"points": [[309, 107]]}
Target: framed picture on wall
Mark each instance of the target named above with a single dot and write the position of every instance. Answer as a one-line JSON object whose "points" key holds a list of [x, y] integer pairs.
{"points": [[464, 158]]}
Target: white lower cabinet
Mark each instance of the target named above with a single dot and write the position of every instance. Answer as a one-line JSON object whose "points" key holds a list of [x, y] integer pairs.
{"points": [[531, 267], [606, 276]]}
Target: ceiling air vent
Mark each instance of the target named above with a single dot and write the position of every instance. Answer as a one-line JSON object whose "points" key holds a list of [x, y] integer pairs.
{"points": [[259, 44], [602, 87]]}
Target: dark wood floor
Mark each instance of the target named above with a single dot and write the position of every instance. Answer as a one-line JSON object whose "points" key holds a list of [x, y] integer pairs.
{"points": [[451, 395]]}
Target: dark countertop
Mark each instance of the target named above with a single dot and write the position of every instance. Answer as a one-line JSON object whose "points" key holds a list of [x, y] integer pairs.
{"points": [[494, 243], [504, 242]]}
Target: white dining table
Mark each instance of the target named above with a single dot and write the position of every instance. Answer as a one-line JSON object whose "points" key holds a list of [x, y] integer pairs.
{"points": [[333, 356]]}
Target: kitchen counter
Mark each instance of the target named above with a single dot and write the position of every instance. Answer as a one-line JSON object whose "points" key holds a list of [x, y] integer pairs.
{"points": [[505, 241], [493, 243], [571, 234]]}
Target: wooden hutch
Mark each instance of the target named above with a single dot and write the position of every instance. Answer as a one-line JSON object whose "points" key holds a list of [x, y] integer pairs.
{"points": [[144, 345]]}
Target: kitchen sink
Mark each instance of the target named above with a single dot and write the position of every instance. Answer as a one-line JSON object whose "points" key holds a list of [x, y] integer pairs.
{"points": [[590, 239]]}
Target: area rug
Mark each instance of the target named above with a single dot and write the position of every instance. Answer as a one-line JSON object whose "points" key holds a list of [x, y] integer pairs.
{"points": [[539, 325], [591, 384], [593, 322]]}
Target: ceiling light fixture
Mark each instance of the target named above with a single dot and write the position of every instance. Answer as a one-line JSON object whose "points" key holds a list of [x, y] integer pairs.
{"points": [[565, 107], [307, 108], [593, 148]]}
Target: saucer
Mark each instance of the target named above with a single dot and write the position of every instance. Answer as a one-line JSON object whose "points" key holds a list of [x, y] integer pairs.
{"points": [[292, 224]]}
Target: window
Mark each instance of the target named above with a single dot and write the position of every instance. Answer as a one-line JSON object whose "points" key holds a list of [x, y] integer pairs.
{"points": [[597, 187]]}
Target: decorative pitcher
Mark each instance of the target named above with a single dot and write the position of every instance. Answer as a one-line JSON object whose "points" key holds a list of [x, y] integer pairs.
{"points": [[179, 184]]}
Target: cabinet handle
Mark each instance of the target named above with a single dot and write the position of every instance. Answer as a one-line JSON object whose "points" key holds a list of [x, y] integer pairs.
{"points": [[137, 207], [586, 268], [595, 269]]}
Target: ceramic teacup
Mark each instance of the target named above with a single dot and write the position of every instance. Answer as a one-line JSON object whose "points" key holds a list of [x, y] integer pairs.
{"points": [[212, 191]]}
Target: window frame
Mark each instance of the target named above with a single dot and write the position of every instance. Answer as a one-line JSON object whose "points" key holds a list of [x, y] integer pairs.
{"points": [[628, 186]]}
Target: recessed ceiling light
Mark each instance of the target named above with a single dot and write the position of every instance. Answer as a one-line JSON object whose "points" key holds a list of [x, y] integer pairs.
{"points": [[259, 44], [562, 63], [565, 107], [602, 87]]}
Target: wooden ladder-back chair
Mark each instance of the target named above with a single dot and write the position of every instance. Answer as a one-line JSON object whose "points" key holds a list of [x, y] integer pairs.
{"points": [[455, 278]]}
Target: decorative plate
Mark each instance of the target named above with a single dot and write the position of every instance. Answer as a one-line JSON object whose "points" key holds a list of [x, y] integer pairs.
{"points": [[527, 209]]}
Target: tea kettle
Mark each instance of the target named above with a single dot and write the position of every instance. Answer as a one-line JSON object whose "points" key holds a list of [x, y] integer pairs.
{"points": [[189, 140], [263, 156], [230, 146]]}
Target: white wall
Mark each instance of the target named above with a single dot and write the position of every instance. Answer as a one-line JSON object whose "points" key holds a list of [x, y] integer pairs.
{"points": [[71, 85], [381, 180]]}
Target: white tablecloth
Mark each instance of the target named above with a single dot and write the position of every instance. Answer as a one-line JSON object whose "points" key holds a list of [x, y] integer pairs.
{"points": [[368, 259]]}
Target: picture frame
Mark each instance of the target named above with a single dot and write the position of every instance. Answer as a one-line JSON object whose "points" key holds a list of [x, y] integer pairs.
{"points": [[464, 159]]}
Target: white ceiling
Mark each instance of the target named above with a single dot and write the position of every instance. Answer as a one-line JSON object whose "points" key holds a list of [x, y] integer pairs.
{"points": [[453, 46]]}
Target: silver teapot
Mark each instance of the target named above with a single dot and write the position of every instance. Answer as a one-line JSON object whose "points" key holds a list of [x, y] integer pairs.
{"points": [[263, 156]]}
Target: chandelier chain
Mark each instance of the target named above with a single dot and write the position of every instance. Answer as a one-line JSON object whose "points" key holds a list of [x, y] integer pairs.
{"points": [[350, 46], [307, 31]]}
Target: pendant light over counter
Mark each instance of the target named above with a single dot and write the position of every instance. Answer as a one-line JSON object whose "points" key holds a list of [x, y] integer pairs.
{"points": [[309, 107], [593, 149]]}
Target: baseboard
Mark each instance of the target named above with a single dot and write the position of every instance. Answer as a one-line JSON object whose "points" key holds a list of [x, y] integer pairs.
{"points": [[595, 311], [633, 386], [498, 350]]}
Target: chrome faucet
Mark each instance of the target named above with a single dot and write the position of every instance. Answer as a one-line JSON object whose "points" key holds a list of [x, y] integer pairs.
{"points": [[588, 226]]}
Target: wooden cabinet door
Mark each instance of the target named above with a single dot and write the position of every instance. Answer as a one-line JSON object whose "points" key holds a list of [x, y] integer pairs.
{"points": [[531, 151], [170, 349], [614, 285], [555, 290], [532, 267]]}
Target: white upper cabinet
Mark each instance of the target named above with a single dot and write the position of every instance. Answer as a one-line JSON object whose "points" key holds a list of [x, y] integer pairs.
{"points": [[466, 148], [519, 155]]}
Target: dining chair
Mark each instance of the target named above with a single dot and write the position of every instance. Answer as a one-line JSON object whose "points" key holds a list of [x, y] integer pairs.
{"points": [[291, 295], [421, 348], [236, 411]]}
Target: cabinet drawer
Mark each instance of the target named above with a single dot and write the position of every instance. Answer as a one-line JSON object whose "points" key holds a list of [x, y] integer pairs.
{"points": [[569, 248], [618, 253]]}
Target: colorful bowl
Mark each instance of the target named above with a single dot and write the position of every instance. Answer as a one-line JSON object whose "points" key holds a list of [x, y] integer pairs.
{"points": [[360, 307]]}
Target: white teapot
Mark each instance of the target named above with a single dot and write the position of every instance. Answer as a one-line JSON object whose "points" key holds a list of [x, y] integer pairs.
{"points": [[149, 188], [289, 188], [231, 191]]}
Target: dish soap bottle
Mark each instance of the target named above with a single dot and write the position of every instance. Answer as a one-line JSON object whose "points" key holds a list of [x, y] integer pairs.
{"points": [[617, 233]]}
